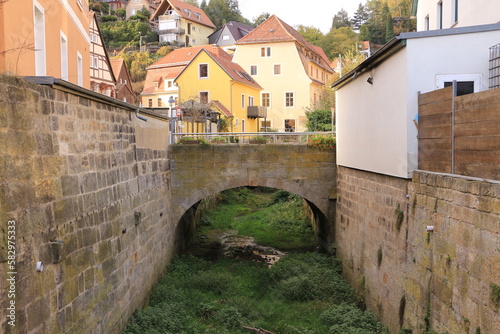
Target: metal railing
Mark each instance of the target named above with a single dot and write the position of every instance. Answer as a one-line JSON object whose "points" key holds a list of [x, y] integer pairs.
{"points": [[250, 137]]}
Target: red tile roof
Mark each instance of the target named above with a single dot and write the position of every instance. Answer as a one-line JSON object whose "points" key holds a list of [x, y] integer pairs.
{"points": [[274, 30], [185, 11], [235, 71], [177, 57], [217, 104]]}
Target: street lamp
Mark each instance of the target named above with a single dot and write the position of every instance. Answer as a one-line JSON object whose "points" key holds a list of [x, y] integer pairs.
{"points": [[173, 118]]}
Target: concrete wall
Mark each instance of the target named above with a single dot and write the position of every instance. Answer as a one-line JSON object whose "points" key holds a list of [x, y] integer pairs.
{"points": [[86, 201], [413, 278]]}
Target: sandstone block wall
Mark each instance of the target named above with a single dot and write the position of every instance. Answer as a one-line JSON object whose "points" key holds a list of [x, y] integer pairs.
{"points": [[411, 278], [87, 202]]}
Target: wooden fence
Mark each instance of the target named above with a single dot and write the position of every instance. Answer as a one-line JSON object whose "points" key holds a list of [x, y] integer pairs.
{"points": [[460, 134]]}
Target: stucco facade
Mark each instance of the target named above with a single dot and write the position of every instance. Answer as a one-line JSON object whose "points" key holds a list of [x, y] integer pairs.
{"points": [[375, 130], [444, 14], [45, 38], [290, 70], [221, 85]]}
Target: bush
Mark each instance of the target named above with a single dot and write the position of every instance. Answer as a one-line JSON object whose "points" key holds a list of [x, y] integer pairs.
{"points": [[323, 142], [346, 318]]}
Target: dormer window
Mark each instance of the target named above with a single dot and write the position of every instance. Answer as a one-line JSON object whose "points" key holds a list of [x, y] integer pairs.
{"points": [[198, 16]]}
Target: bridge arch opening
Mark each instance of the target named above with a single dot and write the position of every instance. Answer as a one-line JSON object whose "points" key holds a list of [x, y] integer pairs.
{"points": [[186, 225]]}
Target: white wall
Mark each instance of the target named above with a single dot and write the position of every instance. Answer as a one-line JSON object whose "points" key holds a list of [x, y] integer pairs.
{"points": [[375, 130], [372, 120], [470, 13]]}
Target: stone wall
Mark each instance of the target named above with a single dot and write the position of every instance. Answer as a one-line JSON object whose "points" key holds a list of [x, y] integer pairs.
{"points": [[87, 202], [441, 280], [198, 171]]}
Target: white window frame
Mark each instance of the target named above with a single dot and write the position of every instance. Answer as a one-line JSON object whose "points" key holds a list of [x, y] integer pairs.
{"points": [[280, 69], [267, 52], [250, 101], [64, 56], [439, 10], [426, 23], [454, 12], [293, 100], [204, 91], [254, 67], [199, 70], [225, 37], [39, 39], [262, 99], [79, 66], [477, 78]]}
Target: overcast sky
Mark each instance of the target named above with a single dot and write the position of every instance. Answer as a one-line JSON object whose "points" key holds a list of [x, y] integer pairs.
{"points": [[316, 13]]}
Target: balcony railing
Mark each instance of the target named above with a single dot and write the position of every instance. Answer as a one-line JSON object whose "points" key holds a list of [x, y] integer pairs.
{"points": [[168, 17], [245, 137], [256, 112], [177, 31]]}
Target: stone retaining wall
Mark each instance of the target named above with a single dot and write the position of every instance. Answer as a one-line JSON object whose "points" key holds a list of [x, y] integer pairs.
{"points": [[411, 278], [87, 202]]}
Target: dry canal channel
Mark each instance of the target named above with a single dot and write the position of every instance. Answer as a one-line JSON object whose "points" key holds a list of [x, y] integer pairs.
{"points": [[254, 267]]}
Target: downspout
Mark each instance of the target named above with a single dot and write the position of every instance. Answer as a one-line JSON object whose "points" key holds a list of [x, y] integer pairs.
{"points": [[231, 101]]}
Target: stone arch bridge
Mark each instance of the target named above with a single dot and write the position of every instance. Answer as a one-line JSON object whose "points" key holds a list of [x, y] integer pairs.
{"points": [[199, 171]]}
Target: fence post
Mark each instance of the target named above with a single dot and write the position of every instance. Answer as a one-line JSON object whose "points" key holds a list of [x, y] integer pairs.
{"points": [[453, 126]]}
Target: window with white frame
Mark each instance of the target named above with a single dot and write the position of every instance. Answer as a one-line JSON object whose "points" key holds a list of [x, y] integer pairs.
{"points": [[203, 71], [204, 97], [39, 32], [266, 99], [79, 68], [64, 56], [253, 70], [225, 37], [265, 125], [466, 83], [277, 69], [265, 51], [440, 15], [250, 101], [289, 99]]}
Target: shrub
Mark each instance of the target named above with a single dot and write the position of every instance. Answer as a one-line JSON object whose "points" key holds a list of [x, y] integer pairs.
{"points": [[191, 140], [346, 318], [323, 142]]}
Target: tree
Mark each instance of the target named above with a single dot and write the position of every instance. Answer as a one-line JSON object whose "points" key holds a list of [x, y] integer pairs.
{"points": [[311, 34], [341, 19], [389, 26], [364, 33], [360, 17], [121, 13], [261, 18], [319, 120], [192, 3], [203, 5], [222, 11], [339, 41]]}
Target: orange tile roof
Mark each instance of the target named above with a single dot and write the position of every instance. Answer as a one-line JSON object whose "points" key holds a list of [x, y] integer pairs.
{"points": [[156, 75], [217, 104], [177, 57], [275, 30], [182, 9], [235, 71]]}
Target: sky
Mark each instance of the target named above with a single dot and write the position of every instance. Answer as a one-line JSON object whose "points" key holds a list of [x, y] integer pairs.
{"points": [[316, 13]]}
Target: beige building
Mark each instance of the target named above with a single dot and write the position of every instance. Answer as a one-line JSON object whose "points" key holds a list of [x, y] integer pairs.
{"points": [[181, 24], [133, 6], [291, 71], [45, 38], [444, 14], [102, 79]]}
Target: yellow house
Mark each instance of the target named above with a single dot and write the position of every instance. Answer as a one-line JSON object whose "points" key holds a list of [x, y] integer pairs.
{"points": [[179, 23], [291, 71], [212, 78], [45, 38]]}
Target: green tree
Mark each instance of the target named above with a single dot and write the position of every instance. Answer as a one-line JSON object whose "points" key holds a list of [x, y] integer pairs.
{"points": [[312, 34], [364, 33], [360, 17], [341, 19], [261, 18], [339, 41], [319, 120], [192, 3], [222, 11], [389, 26], [121, 13]]}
